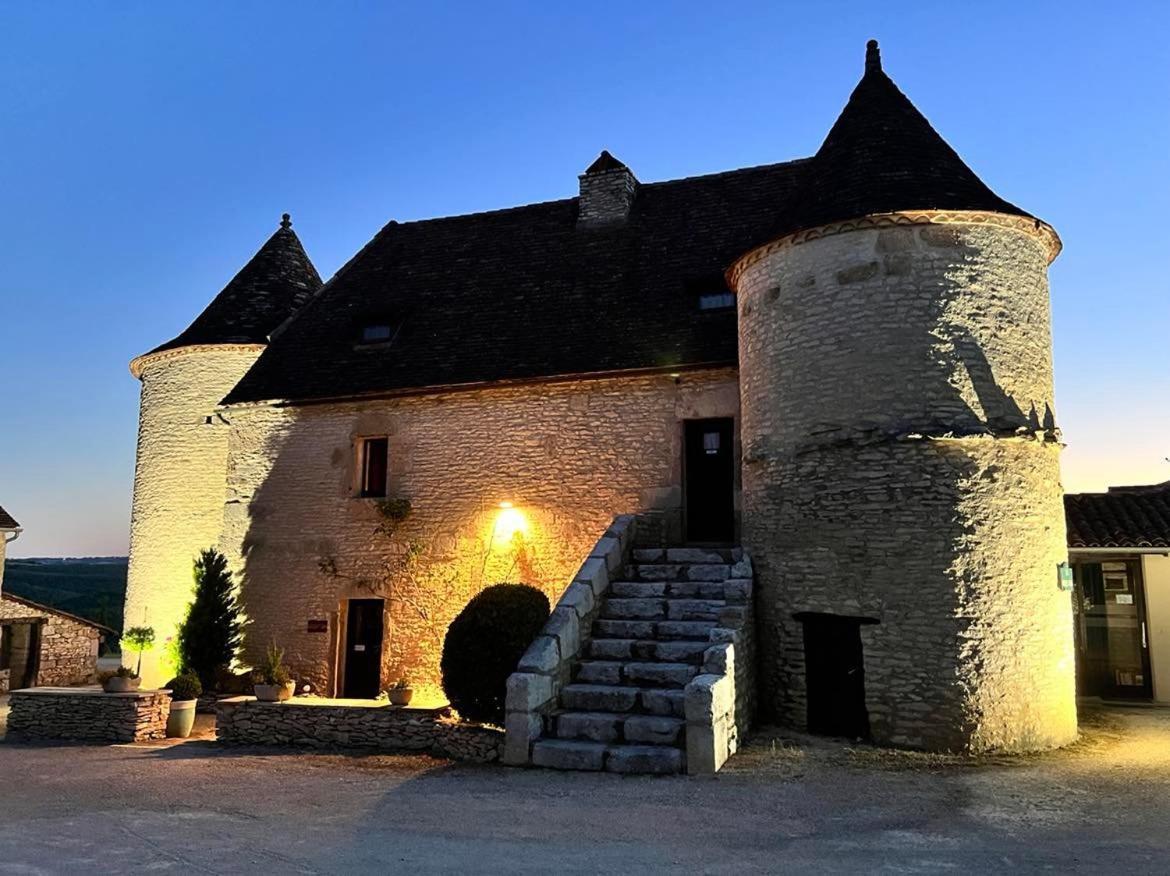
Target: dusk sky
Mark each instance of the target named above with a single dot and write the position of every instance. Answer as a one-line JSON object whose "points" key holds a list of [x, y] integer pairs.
{"points": [[147, 150]]}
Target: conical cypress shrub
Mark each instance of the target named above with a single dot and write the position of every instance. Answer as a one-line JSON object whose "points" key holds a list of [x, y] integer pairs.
{"points": [[210, 636]]}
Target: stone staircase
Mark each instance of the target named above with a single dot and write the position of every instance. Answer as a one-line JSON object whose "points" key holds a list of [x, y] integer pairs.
{"points": [[623, 710]]}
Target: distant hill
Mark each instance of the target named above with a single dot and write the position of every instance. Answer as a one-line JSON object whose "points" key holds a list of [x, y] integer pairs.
{"points": [[90, 587]]}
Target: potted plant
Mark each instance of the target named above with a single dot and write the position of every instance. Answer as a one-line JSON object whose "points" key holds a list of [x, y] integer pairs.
{"points": [[400, 692], [271, 681], [137, 640], [121, 680], [185, 690]]}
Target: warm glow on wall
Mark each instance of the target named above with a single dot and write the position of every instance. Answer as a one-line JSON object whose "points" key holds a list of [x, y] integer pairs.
{"points": [[510, 523]]}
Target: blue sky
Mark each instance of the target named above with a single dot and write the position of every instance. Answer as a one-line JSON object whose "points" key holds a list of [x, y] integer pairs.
{"points": [[147, 150]]}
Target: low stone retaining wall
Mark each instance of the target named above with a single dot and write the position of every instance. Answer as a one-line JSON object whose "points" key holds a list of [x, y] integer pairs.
{"points": [[87, 714], [720, 703], [547, 665], [378, 726]]}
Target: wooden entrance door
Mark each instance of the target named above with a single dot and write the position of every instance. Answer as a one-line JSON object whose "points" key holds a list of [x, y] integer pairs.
{"points": [[363, 649], [709, 480]]}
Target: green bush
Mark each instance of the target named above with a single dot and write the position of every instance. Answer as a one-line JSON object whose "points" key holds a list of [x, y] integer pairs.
{"points": [[484, 644], [209, 636], [185, 687]]}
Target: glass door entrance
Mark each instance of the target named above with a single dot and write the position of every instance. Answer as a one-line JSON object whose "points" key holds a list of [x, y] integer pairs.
{"points": [[1113, 657]]}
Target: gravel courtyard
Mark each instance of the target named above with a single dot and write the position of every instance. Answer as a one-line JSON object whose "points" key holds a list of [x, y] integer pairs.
{"points": [[787, 803]]}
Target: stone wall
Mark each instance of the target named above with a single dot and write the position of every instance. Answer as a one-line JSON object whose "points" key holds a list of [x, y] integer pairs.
{"points": [[569, 456], [381, 727], [901, 465], [88, 715], [68, 647], [547, 666], [178, 484], [720, 704]]}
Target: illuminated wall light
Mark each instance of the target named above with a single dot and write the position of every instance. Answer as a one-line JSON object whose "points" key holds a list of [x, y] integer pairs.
{"points": [[510, 523]]}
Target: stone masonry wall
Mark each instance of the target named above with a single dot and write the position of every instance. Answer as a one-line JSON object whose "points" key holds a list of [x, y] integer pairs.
{"points": [[245, 721], [901, 464], [569, 456], [178, 485], [88, 715], [68, 648]]}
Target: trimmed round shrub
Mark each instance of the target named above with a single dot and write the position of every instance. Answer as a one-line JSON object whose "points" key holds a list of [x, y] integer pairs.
{"points": [[484, 644], [185, 687]]}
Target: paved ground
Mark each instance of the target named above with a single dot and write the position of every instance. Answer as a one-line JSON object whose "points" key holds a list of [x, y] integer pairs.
{"points": [[786, 804]]}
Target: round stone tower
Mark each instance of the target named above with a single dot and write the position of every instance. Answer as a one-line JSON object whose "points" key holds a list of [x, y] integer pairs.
{"points": [[179, 476], [901, 488]]}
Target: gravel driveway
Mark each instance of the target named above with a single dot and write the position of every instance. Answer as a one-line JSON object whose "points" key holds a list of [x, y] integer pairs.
{"points": [[786, 803]]}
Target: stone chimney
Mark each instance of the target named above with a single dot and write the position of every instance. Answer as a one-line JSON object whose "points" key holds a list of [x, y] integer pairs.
{"points": [[607, 192]]}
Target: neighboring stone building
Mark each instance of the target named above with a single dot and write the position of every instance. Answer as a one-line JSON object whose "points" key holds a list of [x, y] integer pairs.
{"points": [[41, 646], [473, 399], [1119, 547]]}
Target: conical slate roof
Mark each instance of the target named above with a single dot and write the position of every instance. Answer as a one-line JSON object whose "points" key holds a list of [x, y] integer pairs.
{"points": [[7, 521], [266, 291], [880, 156]]}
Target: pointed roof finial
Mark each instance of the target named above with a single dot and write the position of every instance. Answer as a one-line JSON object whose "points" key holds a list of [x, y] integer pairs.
{"points": [[873, 57], [285, 221]]}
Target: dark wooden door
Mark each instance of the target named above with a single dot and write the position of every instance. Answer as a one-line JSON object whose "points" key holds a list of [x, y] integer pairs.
{"points": [[363, 649], [835, 675], [709, 481]]}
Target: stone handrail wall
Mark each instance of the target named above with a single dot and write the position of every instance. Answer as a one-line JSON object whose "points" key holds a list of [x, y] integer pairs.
{"points": [[381, 727], [719, 704], [88, 715], [547, 665]]}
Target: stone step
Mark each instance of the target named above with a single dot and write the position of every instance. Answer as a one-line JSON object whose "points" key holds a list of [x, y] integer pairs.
{"points": [[648, 650], [680, 571], [657, 760], [634, 609], [667, 589], [618, 727], [687, 555], [600, 698], [619, 608], [648, 629], [567, 754], [648, 674], [581, 697]]}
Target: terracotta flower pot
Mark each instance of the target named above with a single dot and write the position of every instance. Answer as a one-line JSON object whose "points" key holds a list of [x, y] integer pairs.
{"points": [[121, 684], [181, 719], [400, 696], [273, 693]]}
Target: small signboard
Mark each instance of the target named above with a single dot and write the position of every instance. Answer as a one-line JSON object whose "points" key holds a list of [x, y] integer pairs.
{"points": [[1064, 576], [317, 626]]}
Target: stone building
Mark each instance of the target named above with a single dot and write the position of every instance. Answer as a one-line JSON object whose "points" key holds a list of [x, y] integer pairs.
{"points": [[842, 363], [41, 646]]}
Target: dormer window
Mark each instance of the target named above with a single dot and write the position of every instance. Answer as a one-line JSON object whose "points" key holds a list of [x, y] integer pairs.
{"points": [[716, 301], [376, 332]]}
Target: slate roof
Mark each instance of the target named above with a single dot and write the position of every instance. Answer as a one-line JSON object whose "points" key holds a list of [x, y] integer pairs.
{"points": [[524, 293], [1125, 517], [277, 280], [882, 155], [6, 521]]}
